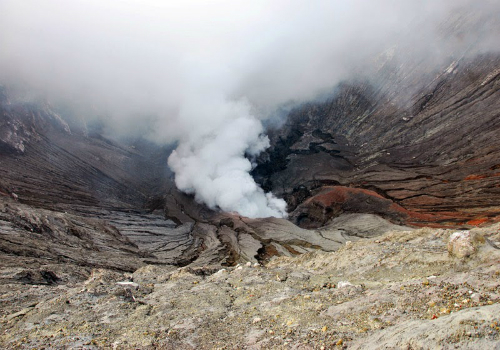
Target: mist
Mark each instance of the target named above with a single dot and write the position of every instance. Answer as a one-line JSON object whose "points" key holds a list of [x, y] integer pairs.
{"points": [[204, 75]]}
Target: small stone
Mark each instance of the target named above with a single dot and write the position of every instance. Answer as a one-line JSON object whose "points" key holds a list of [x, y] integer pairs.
{"points": [[281, 277], [128, 284], [256, 320], [343, 284], [248, 264], [239, 268], [271, 332], [425, 282], [324, 329], [463, 244], [431, 303], [256, 265], [340, 342]]}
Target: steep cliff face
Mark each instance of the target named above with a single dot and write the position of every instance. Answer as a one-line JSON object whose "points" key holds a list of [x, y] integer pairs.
{"points": [[44, 163], [62, 193], [69, 197], [432, 157]]}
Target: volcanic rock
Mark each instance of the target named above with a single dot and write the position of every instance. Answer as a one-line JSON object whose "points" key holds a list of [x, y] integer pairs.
{"points": [[384, 303], [428, 158], [464, 243]]}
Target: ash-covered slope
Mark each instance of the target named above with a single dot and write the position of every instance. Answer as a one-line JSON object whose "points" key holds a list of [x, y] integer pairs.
{"points": [[45, 163], [69, 196], [60, 188], [432, 156]]}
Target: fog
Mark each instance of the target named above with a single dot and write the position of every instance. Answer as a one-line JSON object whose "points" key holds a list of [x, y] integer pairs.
{"points": [[205, 74]]}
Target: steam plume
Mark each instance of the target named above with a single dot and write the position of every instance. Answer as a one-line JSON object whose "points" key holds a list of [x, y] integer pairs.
{"points": [[212, 164]]}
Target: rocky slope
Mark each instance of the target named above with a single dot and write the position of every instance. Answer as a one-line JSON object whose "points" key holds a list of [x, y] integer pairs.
{"points": [[70, 196], [428, 158], [420, 289]]}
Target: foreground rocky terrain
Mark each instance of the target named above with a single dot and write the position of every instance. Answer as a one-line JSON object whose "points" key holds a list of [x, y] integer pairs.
{"points": [[417, 289]]}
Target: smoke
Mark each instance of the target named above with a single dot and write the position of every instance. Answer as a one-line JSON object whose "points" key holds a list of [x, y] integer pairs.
{"points": [[205, 74], [211, 163]]}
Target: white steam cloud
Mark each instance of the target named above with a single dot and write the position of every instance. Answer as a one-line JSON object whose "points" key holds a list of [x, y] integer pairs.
{"points": [[212, 164], [204, 74]]}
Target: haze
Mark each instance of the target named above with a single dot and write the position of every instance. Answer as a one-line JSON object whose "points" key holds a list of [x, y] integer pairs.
{"points": [[205, 74]]}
